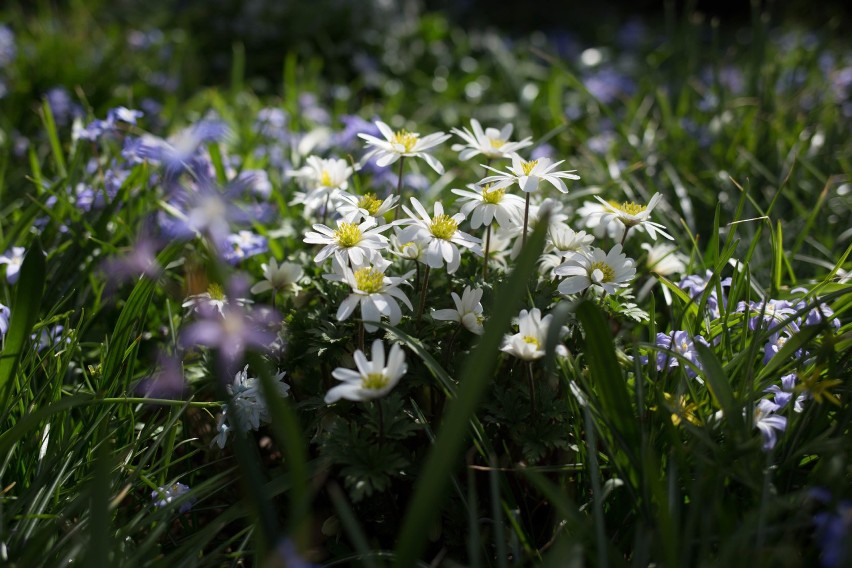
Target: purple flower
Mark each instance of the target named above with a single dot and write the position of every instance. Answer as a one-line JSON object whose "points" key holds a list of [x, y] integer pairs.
{"points": [[48, 336], [61, 105], [695, 285], [232, 331], [176, 154], [5, 314], [141, 260], [166, 383], [243, 245], [683, 345], [165, 495], [769, 423], [255, 181], [8, 49], [92, 132], [769, 314], [123, 114], [13, 259], [834, 534], [784, 393], [820, 314], [775, 343], [352, 125], [607, 85]]}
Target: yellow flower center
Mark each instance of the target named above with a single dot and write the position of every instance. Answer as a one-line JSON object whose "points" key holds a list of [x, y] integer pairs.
{"points": [[370, 202], [405, 139], [528, 166], [608, 272], [628, 207], [532, 341], [684, 346], [682, 410], [444, 227], [374, 381], [496, 143], [369, 280], [347, 235], [216, 292], [492, 196], [325, 179]]}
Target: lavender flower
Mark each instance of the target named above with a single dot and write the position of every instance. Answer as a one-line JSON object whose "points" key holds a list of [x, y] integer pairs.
{"points": [[695, 285], [832, 533], [243, 245], [8, 49], [5, 315], [683, 345], [784, 393], [769, 423], [166, 494], [13, 259], [769, 314], [167, 382]]}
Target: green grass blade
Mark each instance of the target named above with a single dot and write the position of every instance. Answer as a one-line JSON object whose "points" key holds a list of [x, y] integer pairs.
{"points": [[478, 370], [25, 309]]}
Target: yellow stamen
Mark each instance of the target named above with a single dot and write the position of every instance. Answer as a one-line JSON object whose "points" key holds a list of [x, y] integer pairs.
{"points": [[325, 179], [216, 292], [374, 381], [496, 143], [406, 139], [370, 202], [348, 235], [369, 280], [444, 227], [628, 207], [608, 272], [492, 196], [532, 341], [528, 166]]}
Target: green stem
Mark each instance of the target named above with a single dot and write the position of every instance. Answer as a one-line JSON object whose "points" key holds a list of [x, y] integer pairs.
{"points": [[526, 220], [532, 387], [399, 189], [423, 290], [487, 248], [161, 401]]}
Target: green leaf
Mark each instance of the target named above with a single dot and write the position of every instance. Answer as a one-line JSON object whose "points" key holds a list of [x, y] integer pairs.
{"points": [[477, 372], [25, 309], [720, 388]]}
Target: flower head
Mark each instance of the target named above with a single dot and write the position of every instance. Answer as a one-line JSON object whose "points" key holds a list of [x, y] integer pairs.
{"points": [[530, 341], [605, 271], [681, 343], [13, 259], [769, 423], [438, 234], [5, 314], [403, 143], [243, 245], [664, 259], [491, 143], [372, 290], [631, 214], [354, 208], [349, 242], [164, 496], [373, 379], [483, 205], [528, 175], [278, 277], [468, 310]]}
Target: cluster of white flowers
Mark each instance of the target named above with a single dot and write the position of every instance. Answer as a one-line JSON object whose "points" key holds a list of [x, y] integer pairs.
{"points": [[371, 254]]}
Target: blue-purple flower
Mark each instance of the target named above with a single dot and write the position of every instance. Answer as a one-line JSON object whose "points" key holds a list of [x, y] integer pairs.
{"points": [[679, 345], [5, 314], [243, 245], [769, 423], [13, 259], [166, 494], [833, 531], [784, 393]]}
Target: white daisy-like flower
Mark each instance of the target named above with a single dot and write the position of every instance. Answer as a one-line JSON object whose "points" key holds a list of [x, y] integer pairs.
{"points": [[607, 271], [468, 310], [373, 379], [278, 277], [213, 300], [372, 290], [491, 143], [482, 205], [591, 213], [529, 343], [323, 174], [358, 243], [664, 259], [249, 403], [409, 250], [566, 242], [439, 234], [354, 208], [403, 143], [632, 214], [528, 175], [554, 211]]}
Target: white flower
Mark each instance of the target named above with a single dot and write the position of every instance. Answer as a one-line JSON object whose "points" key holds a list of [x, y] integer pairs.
{"points": [[248, 404], [375, 292], [565, 242], [324, 175], [13, 260], [482, 204], [528, 344], [591, 214], [409, 250], [664, 259], [372, 379], [607, 271], [528, 175], [278, 277], [491, 143], [214, 299], [403, 143], [439, 235], [358, 243], [468, 310], [354, 208], [632, 214]]}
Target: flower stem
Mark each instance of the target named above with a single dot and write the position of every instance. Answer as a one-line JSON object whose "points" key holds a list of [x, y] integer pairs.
{"points": [[624, 235], [526, 220], [325, 208], [381, 423], [423, 289], [487, 248], [361, 336], [399, 188], [532, 387]]}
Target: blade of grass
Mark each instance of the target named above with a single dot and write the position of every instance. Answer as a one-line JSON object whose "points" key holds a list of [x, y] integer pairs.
{"points": [[478, 369]]}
